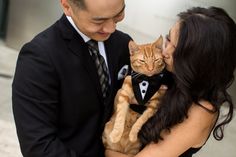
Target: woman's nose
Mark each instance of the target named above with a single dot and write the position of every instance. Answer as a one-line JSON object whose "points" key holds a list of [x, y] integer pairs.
{"points": [[164, 54]]}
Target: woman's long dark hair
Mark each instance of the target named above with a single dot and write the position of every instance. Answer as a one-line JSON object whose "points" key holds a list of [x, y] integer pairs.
{"points": [[204, 63]]}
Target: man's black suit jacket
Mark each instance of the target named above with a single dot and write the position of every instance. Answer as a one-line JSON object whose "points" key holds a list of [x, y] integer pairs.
{"points": [[57, 101]]}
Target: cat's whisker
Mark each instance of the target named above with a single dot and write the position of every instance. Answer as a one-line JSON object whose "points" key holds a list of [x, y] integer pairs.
{"points": [[139, 74], [136, 75]]}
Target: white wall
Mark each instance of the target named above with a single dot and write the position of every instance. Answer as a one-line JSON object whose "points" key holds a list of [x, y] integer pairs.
{"points": [[146, 19]]}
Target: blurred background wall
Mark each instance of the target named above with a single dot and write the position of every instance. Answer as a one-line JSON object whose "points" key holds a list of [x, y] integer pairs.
{"points": [[26, 18], [145, 19]]}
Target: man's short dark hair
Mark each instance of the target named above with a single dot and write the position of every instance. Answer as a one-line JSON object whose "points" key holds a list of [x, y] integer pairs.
{"points": [[79, 3]]}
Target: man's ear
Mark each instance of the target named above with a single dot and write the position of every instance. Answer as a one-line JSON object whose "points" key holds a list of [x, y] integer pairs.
{"points": [[66, 6]]}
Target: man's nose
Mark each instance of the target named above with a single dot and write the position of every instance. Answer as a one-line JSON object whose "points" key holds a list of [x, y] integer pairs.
{"points": [[109, 26]]}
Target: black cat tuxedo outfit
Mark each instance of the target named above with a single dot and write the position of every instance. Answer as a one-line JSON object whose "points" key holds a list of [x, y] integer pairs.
{"points": [[145, 87], [58, 102]]}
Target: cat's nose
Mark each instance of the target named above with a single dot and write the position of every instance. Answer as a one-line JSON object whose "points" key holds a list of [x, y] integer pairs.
{"points": [[150, 68]]}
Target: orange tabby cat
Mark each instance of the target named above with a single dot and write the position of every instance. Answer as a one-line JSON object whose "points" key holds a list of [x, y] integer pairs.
{"points": [[120, 133]]}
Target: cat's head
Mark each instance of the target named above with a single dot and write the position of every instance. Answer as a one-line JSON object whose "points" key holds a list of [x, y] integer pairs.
{"points": [[147, 58]]}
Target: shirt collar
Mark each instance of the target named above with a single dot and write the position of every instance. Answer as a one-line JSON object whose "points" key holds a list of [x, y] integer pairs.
{"points": [[85, 38]]}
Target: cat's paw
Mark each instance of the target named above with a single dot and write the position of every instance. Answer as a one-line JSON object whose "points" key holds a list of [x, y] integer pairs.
{"points": [[115, 136], [133, 136]]}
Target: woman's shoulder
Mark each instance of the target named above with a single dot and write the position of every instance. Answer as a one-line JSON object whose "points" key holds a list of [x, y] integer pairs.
{"points": [[202, 117], [204, 108], [203, 112], [206, 105]]}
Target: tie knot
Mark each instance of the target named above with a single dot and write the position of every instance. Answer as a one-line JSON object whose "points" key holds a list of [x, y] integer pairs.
{"points": [[93, 44]]}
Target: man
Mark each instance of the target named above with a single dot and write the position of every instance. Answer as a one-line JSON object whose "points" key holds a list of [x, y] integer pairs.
{"points": [[58, 103]]}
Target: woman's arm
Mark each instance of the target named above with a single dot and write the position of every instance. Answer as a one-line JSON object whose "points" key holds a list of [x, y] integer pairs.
{"points": [[192, 132], [110, 153]]}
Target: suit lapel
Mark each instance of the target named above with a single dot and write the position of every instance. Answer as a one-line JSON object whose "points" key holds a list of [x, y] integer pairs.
{"points": [[111, 57], [77, 46]]}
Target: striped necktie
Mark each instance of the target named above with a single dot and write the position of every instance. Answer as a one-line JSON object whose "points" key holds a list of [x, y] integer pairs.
{"points": [[102, 70]]}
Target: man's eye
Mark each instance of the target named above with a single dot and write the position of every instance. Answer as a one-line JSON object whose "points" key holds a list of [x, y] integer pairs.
{"points": [[98, 23]]}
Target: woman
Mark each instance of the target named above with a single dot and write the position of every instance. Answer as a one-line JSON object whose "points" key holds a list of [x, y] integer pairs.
{"points": [[200, 51]]}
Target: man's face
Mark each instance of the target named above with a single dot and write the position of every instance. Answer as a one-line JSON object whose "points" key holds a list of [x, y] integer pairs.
{"points": [[98, 20]]}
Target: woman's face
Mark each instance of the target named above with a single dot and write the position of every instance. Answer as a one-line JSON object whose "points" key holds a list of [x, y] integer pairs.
{"points": [[170, 44]]}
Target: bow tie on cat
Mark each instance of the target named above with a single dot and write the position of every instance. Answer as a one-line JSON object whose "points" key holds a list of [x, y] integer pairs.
{"points": [[138, 78]]}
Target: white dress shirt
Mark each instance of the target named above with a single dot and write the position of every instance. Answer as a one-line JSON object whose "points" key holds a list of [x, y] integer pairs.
{"points": [[101, 46]]}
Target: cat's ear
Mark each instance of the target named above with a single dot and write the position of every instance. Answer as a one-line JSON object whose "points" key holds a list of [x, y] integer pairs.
{"points": [[158, 43], [132, 47]]}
